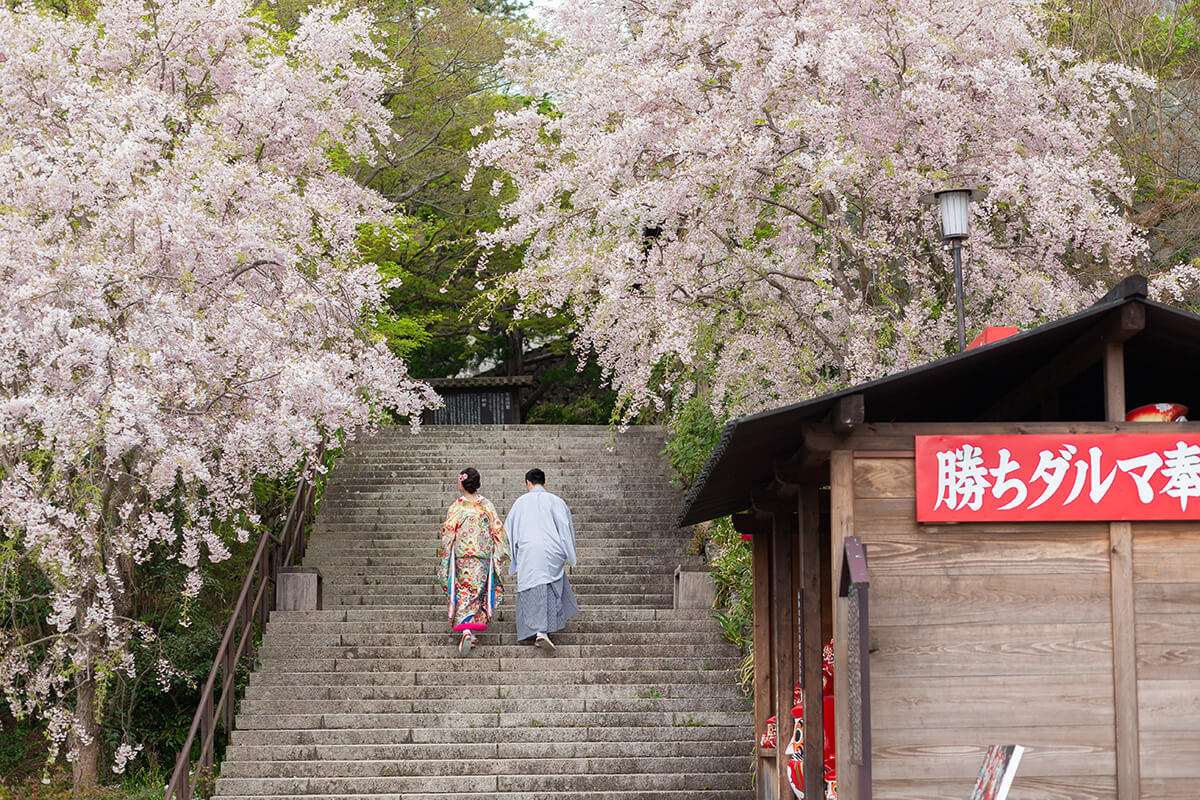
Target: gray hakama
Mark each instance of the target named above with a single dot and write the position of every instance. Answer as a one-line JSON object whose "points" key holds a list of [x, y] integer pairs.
{"points": [[545, 608]]}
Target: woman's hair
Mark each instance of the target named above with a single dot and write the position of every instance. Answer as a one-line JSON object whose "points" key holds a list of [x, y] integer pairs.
{"points": [[470, 480]]}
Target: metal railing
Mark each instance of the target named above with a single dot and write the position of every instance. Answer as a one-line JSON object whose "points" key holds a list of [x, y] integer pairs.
{"points": [[255, 602]]}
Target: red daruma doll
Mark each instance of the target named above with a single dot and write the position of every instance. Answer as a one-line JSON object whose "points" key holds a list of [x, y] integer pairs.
{"points": [[795, 749]]}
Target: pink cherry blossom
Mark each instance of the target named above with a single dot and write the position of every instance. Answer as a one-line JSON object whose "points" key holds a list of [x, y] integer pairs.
{"points": [[183, 304], [727, 192]]}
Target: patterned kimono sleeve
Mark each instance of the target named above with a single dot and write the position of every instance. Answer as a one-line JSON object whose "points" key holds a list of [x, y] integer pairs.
{"points": [[499, 539], [449, 529]]}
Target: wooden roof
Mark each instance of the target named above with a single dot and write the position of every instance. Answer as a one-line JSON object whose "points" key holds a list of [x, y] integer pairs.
{"points": [[487, 382], [1003, 381]]}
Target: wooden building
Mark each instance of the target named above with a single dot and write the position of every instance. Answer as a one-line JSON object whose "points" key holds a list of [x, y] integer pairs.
{"points": [[478, 401], [1076, 638]]}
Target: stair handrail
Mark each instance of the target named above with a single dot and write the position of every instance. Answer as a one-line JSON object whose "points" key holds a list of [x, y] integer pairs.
{"points": [[273, 552]]}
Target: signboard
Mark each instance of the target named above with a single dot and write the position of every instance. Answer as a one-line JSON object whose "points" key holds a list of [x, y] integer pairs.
{"points": [[1059, 478], [474, 407]]}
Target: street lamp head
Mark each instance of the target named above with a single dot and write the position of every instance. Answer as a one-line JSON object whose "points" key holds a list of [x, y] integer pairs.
{"points": [[953, 204]]}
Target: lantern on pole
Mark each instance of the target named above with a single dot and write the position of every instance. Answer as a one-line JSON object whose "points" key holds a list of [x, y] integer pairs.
{"points": [[954, 204]]}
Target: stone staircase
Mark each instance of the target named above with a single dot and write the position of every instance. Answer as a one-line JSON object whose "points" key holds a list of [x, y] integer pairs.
{"points": [[367, 698]]}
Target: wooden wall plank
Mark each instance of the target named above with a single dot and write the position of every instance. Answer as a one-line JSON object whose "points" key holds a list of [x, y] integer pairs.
{"points": [[1169, 662], [1171, 789], [984, 599], [936, 753], [1169, 705], [1124, 653], [1170, 754], [841, 518], [1164, 598], [971, 554], [1181, 628], [884, 478], [1080, 787], [1165, 553], [899, 515], [947, 702], [983, 650]]}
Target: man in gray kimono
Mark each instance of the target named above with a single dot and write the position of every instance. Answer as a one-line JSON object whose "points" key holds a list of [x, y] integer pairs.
{"points": [[541, 536]]}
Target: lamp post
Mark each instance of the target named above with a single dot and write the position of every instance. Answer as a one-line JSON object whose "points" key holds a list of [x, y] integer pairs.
{"points": [[953, 203]]}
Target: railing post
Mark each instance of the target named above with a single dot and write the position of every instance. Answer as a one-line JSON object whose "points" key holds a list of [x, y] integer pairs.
{"points": [[854, 585], [228, 676], [204, 768]]}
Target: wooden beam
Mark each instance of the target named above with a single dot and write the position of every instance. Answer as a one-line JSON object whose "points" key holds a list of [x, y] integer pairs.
{"points": [[848, 413], [1114, 381], [811, 643], [799, 474], [899, 435], [767, 501], [841, 489], [783, 626], [1133, 286], [751, 524], [1125, 694], [761, 600], [1068, 363]]}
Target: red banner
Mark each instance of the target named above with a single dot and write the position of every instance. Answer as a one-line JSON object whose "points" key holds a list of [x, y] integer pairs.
{"points": [[1116, 476]]}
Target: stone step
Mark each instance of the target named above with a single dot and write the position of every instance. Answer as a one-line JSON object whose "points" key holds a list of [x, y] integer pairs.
{"points": [[367, 699], [517, 765], [563, 639], [351, 787], [482, 719], [635, 794], [662, 679], [399, 601], [486, 750], [515, 735], [481, 661], [272, 650], [615, 615], [499, 705], [636, 691], [580, 628]]}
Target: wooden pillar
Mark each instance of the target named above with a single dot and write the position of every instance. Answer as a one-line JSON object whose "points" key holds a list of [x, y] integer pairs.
{"points": [[809, 558], [763, 696], [1120, 540], [841, 488], [783, 627], [1114, 381]]}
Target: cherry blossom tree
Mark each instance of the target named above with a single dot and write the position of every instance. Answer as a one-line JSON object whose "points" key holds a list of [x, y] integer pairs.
{"points": [[184, 308], [725, 194]]}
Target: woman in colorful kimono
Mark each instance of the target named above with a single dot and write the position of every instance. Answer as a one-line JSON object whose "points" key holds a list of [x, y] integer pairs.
{"points": [[473, 554]]}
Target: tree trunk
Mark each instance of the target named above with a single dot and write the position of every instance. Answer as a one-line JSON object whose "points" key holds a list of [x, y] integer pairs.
{"points": [[516, 341], [85, 772]]}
